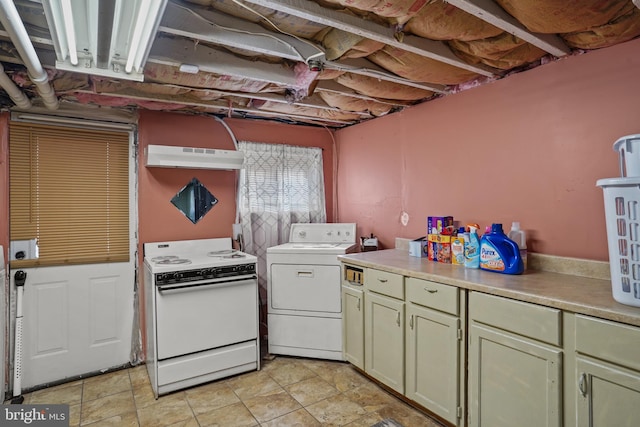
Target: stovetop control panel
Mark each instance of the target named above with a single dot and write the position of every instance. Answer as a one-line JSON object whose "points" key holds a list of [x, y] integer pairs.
{"points": [[208, 273]]}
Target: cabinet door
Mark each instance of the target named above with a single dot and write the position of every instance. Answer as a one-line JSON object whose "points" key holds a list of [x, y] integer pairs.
{"points": [[384, 340], [353, 325], [607, 395], [433, 361], [513, 381]]}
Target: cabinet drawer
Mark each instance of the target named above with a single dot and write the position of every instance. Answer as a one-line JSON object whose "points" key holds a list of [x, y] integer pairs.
{"points": [[530, 320], [614, 342], [382, 282], [433, 295]]}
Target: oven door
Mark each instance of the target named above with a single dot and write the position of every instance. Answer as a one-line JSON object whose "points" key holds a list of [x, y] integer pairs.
{"points": [[202, 316]]}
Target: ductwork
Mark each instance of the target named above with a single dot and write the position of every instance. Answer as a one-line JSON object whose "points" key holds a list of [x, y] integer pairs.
{"points": [[165, 156], [12, 23], [17, 96]]}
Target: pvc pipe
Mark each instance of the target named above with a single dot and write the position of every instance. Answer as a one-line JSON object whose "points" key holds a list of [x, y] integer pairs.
{"points": [[17, 96], [13, 24]]}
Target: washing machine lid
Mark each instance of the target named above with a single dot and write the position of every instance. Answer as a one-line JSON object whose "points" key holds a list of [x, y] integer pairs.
{"points": [[313, 248]]}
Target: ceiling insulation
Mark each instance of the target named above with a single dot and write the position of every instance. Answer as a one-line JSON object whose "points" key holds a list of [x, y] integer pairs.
{"points": [[328, 63]]}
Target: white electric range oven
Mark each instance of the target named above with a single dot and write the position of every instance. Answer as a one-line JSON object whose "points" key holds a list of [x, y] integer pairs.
{"points": [[201, 312]]}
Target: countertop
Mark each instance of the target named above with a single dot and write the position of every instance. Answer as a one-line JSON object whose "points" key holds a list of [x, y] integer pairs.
{"points": [[577, 294]]}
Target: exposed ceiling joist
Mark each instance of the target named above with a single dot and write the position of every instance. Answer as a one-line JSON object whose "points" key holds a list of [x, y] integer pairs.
{"points": [[311, 11], [222, 107], [312, 101], [332, 86], [489, 11], [219, 28], [365, 67]]}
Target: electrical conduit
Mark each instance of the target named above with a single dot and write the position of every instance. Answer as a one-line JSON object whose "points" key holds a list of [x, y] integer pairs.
{"points": [[12, 23]]}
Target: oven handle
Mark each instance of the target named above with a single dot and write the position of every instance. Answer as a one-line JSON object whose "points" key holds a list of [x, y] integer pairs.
{"points": [[187, 286]]}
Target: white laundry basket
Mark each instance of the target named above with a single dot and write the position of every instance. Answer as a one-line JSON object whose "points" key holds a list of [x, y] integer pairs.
{"points": [[622, 215], [628, 148]]}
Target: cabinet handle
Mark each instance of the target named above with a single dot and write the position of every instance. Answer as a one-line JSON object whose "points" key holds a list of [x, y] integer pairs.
{"points": [[582, 384], [431, 291], [382, 280], [398, 319], [411, 322], [358, 306]]}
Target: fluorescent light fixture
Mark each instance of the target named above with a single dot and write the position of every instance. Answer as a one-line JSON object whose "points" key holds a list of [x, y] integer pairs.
{"points": [[67, 17], [111, 38]]}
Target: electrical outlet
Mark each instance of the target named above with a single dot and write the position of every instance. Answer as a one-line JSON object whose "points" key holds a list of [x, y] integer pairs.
{"points": [[404, 219]]}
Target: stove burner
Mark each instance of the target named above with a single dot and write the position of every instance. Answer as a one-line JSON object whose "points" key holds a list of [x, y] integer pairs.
{"points": [[163, 258], [221, 252], [234, 255], [171, 260]]}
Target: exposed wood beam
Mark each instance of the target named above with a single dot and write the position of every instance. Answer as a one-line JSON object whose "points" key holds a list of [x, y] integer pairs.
{"points": [[311, 11], [489, 11]]}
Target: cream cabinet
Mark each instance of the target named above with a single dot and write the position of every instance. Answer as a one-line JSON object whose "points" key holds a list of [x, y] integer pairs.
{"points": [[353, 324], [607, 373], [435, 348], [515, 363], [384, 327]]}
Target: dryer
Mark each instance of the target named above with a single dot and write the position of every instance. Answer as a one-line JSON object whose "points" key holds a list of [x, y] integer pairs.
{"points": [[304, 306]]}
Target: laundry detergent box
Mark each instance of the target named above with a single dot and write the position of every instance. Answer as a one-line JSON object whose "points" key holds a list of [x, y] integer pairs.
{"points": [[432, 247], [439, 248], [435, 224], [419, 247]]}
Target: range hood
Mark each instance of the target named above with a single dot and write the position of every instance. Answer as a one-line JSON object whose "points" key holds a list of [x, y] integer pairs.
{"points": [[166, 156]]}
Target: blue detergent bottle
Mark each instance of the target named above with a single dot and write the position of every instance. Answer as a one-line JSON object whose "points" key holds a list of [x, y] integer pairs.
{"points": [[500, 254]]}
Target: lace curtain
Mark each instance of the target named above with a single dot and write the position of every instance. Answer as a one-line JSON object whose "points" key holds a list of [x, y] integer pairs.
{"points": [[279, 185]]}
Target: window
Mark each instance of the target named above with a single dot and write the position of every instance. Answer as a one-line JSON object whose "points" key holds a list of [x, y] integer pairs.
{"points": [[279, 185], [69, 189]]}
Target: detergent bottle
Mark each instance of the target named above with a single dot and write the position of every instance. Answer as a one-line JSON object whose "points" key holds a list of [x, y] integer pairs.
{"points": [[472, 249], [500, 254], [519, 236]]}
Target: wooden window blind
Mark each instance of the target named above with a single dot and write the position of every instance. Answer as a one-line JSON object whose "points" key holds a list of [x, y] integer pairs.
{"points": [[69, 188]]}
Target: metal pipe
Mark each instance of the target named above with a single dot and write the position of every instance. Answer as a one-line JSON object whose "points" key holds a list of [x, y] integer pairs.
{"points": [[12, 23], [17, 96]]}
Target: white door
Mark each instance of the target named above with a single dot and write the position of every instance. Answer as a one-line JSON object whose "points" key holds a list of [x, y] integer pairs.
{"points": [[76, 320]]}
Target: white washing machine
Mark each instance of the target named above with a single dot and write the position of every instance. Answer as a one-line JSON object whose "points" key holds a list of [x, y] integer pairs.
{"points": [[304, 312]]}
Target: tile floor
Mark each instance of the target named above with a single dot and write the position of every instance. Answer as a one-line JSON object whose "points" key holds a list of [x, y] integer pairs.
{"points": [[287, 391]]}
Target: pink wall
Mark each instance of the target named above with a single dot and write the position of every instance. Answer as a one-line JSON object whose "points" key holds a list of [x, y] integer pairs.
{"points": [[526, 148], [159, 220]]}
